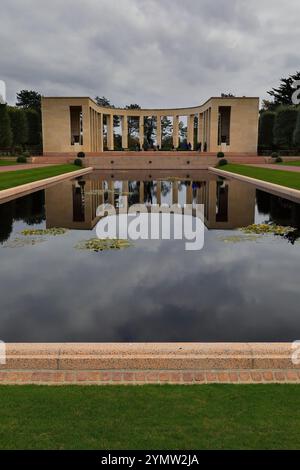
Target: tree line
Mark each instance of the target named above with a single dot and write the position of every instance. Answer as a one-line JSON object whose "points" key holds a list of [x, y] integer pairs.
{"points": [[279, 123], [20, 125]]}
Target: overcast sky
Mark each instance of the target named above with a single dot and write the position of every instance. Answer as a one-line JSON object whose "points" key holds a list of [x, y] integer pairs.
{"points": [[158, 53]]}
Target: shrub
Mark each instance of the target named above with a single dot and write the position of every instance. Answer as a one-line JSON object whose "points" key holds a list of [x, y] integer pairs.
{"points": [[26, 154], [296, 136], [78, 161], [19, 126], [220, 155], [21, 159], [80, 155], [222, 162], [266, 126], [284, 126], [274, 155], [5, 127], [278, 160]]}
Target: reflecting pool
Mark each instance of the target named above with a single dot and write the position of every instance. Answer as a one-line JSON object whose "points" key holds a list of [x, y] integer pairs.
{"points": [[237, 288]]}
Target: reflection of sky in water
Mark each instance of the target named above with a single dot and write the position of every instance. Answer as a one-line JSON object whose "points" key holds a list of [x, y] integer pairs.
{"points": [[154, 291]]}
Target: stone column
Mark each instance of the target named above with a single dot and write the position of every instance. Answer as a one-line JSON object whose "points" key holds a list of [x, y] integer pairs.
{"points": [[158, 130], [175, 192], [124, 132], [141, 192], [110, 131], [100, 130], [158, 192], [141, 131], [200, 130], [175, 131], [190, 130], [189, 193]]}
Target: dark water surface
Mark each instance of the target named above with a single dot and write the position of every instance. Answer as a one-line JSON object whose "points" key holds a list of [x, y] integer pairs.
{"points": [[231, 290]]}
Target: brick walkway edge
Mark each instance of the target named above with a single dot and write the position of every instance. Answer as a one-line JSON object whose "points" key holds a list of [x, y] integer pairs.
{"points": [[142, 377]]}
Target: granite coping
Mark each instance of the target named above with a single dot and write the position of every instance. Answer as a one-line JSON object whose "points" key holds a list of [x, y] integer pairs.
{"points": [[277, 189], [24, 189], [148, 356]]}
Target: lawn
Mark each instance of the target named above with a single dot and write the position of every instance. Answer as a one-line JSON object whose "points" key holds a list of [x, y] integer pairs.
{"points": [[284, 178], [150, 417], [8, 162], [295, 163], [10, 179]]}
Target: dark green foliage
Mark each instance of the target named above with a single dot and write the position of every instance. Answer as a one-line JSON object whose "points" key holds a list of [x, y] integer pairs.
{"points": [[19, 126], [222, 162], [296, 135], [266, 127], [220, 155], [34, 127], [6, 136], [80, 154], [78, 162], [278, 160], [283, 94], [22, 159], [29, 99], [274, 154], [284, 126]]}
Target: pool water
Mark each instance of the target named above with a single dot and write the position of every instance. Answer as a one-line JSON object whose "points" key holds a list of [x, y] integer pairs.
{"points": [[236, 288]]}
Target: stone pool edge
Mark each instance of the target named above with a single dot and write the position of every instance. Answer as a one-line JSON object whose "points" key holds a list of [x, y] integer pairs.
{"points": [[148, 363], [7, 195], [277, 189]]}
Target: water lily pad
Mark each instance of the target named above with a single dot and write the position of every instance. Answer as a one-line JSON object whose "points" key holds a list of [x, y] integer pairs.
{"points": [[99, 244], [240, 238], [261, 229], [49, 231]]}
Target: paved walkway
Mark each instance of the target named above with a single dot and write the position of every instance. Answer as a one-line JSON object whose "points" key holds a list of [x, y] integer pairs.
{"points": [[272, 166], [25, 166]]}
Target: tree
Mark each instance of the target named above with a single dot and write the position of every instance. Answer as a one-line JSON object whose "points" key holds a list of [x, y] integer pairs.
{"points": [[133, 123], [284, 126], [5, 127], [105, 103], [34, 127], [29, 99], [283, 94], [19, 125], [149, 129], [266, 126], [296, 136]]}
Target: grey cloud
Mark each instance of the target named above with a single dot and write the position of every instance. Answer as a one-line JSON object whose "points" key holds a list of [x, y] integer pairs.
{"points": [[154, 52]]}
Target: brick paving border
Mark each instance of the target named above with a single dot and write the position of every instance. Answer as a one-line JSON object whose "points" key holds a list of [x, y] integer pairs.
{"points": [[142, 377]]}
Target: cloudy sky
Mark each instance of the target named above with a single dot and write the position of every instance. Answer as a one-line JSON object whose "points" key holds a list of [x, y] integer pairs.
{"points": [[158, 53]]}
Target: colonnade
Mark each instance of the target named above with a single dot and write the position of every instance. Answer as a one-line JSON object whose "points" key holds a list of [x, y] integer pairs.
{"points": [[203, 129]]}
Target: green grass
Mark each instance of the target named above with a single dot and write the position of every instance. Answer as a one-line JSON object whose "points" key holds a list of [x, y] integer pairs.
{"points": [[295, 163], [284, 178], [8, 162], [150, 417], [10, 179]]}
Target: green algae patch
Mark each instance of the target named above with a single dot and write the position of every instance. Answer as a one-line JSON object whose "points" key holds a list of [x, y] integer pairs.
{"points": [[47, 231], [99, 244], [261, 229], [240, 238]]}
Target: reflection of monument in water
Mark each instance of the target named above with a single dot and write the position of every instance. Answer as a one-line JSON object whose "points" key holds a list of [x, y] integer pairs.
{"points": [[73, 204]]}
